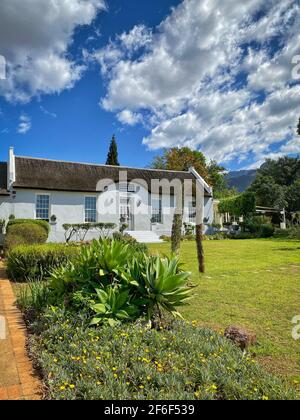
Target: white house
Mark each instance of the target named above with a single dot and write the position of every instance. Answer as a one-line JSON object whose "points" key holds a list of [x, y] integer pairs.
{"points": [[69, 193]]}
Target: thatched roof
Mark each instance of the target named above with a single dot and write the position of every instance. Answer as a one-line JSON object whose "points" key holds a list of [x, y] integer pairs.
{"points": [[45, 174], [3, 178]]}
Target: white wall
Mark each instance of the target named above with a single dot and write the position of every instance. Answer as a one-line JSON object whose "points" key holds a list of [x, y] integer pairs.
{"points": [[68, 207]]}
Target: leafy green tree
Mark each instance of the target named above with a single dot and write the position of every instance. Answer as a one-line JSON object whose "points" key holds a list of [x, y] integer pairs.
{"points": [[112, 157], [217, 179], [293, 197], [267, 192], [181, 159], [284, 171], [277, 183]]}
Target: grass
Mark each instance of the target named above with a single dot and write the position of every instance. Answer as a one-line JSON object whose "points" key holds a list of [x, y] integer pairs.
{"points": [[251, 283]]}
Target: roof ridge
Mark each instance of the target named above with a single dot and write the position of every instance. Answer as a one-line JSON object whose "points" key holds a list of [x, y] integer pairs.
{"points": [[102, 165]]}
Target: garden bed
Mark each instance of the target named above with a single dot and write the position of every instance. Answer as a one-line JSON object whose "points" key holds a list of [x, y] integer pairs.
{"points": [[131, 361]]}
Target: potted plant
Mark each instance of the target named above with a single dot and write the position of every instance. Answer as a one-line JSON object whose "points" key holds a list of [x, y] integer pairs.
{"points": [[53, 219]]}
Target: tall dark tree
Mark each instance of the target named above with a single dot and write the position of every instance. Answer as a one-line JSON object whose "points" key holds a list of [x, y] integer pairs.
{"points": [[298, 128], [112, 157]]}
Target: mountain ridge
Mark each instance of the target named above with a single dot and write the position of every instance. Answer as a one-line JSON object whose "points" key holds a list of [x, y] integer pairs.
{"points": [[241, 180]]}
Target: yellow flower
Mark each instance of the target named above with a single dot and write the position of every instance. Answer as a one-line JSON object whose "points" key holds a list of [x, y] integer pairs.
{"points": [[197, 394], [265, 398], [98, 383], [141, 387], [62, 388], [72, 386], [115, 375], [114, 369], [127, 383], [149, 378], [55, 360]]}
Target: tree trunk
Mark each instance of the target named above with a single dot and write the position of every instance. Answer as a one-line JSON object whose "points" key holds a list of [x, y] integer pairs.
{"points": [[176, 233], [200, 250]]}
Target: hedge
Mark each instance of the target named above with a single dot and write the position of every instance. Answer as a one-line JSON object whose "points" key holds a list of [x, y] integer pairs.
{"points": [[241, 205], [25, 234], [35, 261], [43, 223]]}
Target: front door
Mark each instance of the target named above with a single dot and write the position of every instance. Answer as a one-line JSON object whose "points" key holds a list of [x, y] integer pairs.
{"points": [[126, 211]]}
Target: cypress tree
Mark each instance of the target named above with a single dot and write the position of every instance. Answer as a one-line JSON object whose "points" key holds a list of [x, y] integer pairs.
{"points": [[298, 129], [112, 157]]}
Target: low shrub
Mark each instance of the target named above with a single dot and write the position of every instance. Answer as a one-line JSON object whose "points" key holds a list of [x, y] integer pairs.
{"points": [[129, 240], [36, 261], [242, 235], [189, 229], [165, 238], [131, 362], [43, 223], [24, 234], [290, 233], [266, 231], [188, 237], [217, 236]]}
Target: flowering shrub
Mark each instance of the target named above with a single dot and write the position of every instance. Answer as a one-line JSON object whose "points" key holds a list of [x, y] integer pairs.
{"points": [[134, 362]]}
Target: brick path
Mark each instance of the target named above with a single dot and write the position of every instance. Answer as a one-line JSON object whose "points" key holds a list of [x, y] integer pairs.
{"points": [[18, 381]]}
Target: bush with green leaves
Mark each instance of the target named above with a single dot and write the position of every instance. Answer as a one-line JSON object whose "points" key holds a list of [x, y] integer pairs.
{"points": [[133, 362], [240, 205], [27, 262], [107, 272], [43, 223], [129, 240], [266, 231], [290, 233], [24, 234], [241, 235]]}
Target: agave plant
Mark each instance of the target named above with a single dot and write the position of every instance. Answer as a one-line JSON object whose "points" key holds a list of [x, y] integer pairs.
{"points": [[165, 285], [113, 306], [112, 256]]}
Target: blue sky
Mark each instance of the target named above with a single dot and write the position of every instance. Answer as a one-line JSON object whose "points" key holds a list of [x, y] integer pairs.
{"points": [[213, 75]]}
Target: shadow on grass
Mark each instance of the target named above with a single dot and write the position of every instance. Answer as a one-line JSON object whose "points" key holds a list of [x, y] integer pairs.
{"points": [[287, 249]]}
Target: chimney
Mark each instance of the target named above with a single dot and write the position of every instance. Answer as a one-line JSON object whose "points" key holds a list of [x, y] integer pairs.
{"points": [[11, 169]]}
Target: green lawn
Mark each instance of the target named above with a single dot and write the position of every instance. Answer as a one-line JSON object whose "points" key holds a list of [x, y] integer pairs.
{"points": [[251, 283]]}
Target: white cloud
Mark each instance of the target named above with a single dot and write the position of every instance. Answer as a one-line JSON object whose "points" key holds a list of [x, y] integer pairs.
{"points": [[211, 76], [291, 147], [129, 118], [34, 39], [24, 124]]}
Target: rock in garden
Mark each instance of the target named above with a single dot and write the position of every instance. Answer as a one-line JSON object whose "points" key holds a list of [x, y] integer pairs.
{"points": [[240, 337]]}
